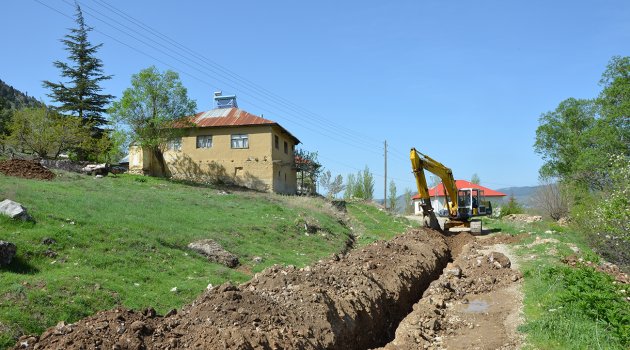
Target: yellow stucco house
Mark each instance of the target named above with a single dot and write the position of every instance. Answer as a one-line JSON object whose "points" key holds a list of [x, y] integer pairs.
{"points": [[230, 145]]}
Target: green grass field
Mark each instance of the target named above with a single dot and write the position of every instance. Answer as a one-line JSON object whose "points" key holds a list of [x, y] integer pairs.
{"points": [[567, 307], [122, 241]]}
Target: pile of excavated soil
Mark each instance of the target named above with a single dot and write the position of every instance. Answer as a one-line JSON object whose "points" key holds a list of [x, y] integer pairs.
{"points": [[28, 169], [354, 301], [503, 239], [524, 218], [473, 305]]}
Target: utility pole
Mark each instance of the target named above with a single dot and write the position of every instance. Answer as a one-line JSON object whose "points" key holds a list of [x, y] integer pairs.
{"points": [[385, 187]]}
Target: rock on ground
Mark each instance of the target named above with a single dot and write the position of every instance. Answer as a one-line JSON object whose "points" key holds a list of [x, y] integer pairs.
{"points": [[14, 210], [523, 218], [214, 252], [7, 252]]}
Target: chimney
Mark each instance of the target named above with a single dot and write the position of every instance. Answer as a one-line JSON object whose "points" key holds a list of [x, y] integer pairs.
{"points": [[225, 101]]}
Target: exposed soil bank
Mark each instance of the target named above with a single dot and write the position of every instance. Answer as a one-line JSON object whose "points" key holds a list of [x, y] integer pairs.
{"points": [[473, 305], [354, 301]]}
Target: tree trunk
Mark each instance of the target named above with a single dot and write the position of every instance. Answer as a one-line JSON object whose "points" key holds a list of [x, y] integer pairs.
{"points": [[160, 170]]}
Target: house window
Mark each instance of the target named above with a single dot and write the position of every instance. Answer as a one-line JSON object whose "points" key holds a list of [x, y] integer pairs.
{"points": [[204, 141], [276, 141], [174, 144], [286, 148], [240, 141]]}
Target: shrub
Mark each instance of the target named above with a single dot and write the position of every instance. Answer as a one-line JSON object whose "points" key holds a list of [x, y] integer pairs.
{"points": [[512, 207]]}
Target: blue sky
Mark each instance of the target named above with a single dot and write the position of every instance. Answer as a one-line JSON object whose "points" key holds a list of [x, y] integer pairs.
{"points": [[462, 81]]}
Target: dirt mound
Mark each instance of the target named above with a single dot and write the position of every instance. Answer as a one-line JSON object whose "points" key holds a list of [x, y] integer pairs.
{"points": [[466, 308], [503, 239], [524, 218], [457, 241], [28, 169], [353, 301], [608, 268]]}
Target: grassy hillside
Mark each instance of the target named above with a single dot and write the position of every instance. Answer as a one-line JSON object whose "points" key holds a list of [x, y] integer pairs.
{"points": [[122, 241]]}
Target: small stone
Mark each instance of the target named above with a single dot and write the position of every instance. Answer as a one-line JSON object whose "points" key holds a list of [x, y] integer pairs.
{"points": [[7, 252], [14, 210], [48, 241], [500, 258], [149, 312], [173, 312], [137, 326], [257, 259], [174, 289], [454, 271]]}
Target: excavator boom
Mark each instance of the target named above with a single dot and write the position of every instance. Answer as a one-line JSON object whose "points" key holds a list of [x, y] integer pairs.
{"points": [[419, 162]]}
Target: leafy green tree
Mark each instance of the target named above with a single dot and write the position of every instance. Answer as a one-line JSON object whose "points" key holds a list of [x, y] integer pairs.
{"points": [[350, 184], [368, 184], [408, 204], [512, 207], [475, 179], [358, 191], [563, 139], [46, 133], [614, 99], [308, 170], [149, 109], [392, 196], [333, 185], [5, 115], [81, 95]]}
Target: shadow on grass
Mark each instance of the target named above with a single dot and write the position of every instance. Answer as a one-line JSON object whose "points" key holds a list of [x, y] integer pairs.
{"points": [[20, 266]]}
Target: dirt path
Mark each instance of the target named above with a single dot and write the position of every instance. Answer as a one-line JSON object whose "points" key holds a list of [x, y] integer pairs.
{"points": [[475, 304], [367, 298]]}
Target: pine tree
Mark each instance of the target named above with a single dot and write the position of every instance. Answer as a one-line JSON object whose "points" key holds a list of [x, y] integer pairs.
{"points": [[81, 96]]}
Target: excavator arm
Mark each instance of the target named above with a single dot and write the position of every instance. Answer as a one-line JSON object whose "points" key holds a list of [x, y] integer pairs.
{"points": [[420, 162]]}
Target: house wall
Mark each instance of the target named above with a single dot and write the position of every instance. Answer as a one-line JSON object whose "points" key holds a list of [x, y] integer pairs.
{"points": [[284, 172], [255, 167]]}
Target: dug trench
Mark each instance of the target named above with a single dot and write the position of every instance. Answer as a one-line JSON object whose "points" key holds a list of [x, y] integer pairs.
{"points": [[352, 301]]}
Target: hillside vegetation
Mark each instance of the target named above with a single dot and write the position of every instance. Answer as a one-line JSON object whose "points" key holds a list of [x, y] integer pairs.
{"points": [[123, 241]]}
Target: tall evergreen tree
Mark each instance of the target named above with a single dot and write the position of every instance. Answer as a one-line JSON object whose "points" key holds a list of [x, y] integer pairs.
{"points": [[81, 94]]}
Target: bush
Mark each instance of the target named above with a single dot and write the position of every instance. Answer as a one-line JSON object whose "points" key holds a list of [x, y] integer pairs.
{"points": [[512, 207], [583, 307]]}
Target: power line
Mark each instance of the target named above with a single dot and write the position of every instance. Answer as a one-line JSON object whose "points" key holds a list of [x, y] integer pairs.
{"points": [[305, 126], [354, 139], [286, 105]]}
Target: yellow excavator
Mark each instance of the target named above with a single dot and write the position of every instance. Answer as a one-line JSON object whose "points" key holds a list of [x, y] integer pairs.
{"points": [[461, 205]]}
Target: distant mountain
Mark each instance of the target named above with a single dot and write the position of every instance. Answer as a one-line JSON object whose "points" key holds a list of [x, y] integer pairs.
{"points": [[400, 203], [10, 100], [523, 194], [16, 99]]}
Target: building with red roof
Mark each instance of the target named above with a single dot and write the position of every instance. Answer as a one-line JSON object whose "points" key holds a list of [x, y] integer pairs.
{"points": [[227, 144], [438, 197]]}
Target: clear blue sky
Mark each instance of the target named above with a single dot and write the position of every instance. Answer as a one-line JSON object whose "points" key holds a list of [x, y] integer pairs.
{"points": [[463, 81]]}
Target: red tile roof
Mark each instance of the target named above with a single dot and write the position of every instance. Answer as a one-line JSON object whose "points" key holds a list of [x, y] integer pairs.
{"points": [[439, 189], [226, 117]]}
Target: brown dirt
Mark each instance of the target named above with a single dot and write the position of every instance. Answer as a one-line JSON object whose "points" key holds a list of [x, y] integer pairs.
{"points": [[365, 299], [474, 305], [348, 302], [28, 169], [502, 239]]}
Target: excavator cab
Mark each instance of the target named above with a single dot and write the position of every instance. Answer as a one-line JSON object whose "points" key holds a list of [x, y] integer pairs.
{"points": [[471, 202]]}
